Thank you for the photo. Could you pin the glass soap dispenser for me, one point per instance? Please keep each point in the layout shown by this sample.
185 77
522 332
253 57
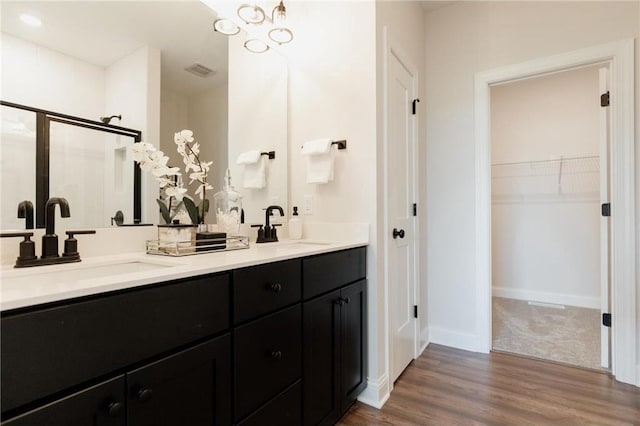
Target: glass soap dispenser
228 203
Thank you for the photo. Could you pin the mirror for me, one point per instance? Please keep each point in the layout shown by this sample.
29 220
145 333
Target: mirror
95 59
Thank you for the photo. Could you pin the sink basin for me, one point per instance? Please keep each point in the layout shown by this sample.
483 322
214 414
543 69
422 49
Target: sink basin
80 271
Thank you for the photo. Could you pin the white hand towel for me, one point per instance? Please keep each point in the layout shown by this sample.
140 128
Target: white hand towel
318 146
255 174
319 160
249 157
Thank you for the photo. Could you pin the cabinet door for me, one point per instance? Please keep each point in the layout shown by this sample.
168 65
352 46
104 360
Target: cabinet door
100 405
353 358
321 343
268 358
192 387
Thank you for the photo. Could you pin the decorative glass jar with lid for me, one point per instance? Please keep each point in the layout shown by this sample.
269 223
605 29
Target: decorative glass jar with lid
228 204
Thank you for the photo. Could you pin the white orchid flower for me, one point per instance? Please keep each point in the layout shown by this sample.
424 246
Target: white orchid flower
139 150
176 192
200 190
199 176
183 136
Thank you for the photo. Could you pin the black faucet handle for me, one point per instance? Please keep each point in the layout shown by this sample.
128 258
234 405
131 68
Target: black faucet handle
25 235
71 233
71 244
27 247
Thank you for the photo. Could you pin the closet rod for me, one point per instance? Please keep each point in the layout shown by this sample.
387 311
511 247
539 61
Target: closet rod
546 161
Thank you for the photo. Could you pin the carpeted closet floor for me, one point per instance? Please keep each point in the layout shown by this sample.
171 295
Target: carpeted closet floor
570 335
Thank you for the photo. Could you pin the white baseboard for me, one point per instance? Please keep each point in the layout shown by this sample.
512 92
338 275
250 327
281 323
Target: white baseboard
376 393
545 297
424 340
455 339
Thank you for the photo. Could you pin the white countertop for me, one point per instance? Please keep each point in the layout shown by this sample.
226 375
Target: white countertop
43 284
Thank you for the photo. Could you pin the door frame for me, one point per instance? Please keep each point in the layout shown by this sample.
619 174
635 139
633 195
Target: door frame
620 57
390 47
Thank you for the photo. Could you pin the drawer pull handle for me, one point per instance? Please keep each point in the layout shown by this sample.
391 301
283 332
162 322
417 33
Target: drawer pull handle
144 394
276 354
275 287
113 408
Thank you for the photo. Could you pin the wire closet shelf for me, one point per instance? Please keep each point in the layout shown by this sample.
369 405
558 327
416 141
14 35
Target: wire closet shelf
565 176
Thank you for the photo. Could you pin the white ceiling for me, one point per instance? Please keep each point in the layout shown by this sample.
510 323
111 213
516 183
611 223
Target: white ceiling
101 32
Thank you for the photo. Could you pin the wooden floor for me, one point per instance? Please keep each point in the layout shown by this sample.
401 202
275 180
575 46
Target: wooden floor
448 386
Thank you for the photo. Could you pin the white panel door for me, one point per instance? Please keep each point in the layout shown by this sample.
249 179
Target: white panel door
400 198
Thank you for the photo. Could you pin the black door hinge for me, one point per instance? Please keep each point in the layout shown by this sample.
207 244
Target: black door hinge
413 106
415 209
606 209
605 99
606 320
415 311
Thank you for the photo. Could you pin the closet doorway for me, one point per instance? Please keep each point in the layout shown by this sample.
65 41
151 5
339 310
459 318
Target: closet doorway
550 242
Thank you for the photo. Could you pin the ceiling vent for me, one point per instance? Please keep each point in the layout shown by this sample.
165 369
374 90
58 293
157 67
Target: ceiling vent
200 70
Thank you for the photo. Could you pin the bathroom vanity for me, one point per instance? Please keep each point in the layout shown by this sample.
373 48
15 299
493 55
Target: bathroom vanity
276 337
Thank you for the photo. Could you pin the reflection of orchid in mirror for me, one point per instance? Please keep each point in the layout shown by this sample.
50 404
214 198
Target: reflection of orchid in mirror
190 152
154 161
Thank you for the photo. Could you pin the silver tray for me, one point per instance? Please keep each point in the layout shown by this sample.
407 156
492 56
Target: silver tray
203 246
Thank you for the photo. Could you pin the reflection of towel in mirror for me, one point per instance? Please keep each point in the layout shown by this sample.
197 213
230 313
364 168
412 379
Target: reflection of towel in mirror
254 169
319 160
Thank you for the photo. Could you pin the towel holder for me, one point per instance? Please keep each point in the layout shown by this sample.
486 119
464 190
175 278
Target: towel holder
271 154
341 144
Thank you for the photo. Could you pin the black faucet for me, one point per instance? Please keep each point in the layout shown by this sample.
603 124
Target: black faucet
25 211
268 234
50 239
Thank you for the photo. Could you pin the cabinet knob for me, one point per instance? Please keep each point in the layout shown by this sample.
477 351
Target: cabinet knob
347 300
276 354
339 301
144 394
275 287
113 408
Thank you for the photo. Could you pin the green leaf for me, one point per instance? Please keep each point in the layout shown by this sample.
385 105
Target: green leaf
164 211
191 209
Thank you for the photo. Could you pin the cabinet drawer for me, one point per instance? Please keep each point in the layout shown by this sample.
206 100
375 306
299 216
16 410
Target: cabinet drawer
262 289
283 410
267 358
52 349
327 272
192 387
102 404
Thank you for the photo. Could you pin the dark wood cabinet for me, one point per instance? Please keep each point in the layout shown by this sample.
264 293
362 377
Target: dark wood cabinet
279 344
353 344
334 363
334 335
99 405
192 387
268 358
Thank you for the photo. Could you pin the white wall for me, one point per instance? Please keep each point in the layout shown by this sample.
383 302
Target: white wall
546 237
132 88
208 118
462 39
35 76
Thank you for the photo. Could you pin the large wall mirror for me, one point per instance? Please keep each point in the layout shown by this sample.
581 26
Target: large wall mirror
162 67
